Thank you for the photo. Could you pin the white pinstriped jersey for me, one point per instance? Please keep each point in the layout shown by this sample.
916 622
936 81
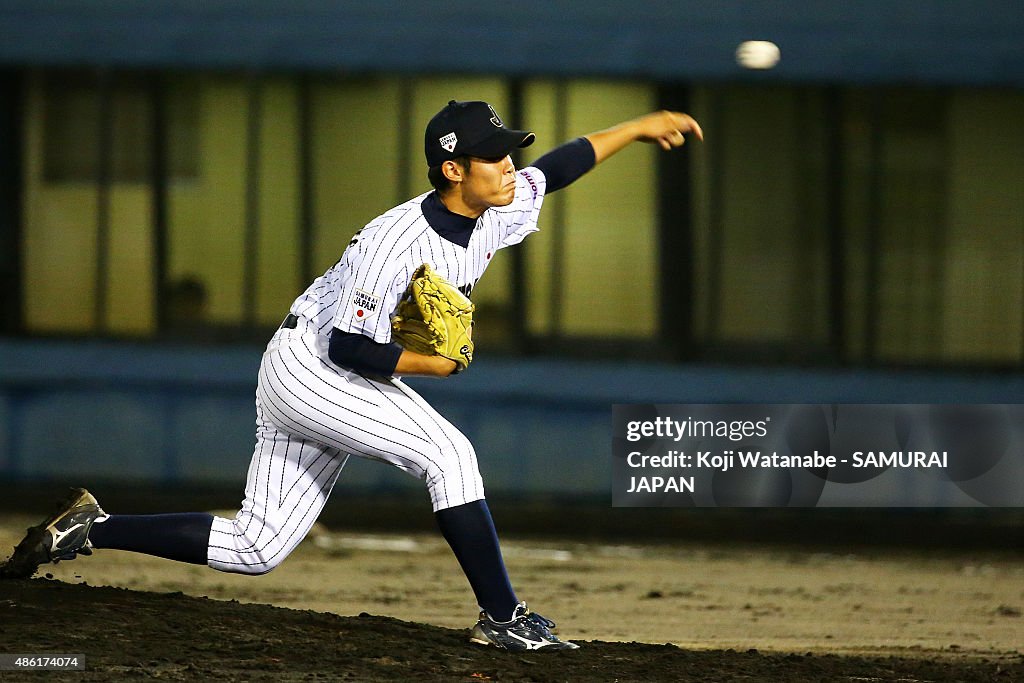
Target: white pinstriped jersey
311 414
361 291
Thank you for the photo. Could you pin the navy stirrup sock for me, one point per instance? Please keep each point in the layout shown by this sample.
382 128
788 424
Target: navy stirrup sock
180 536
470 532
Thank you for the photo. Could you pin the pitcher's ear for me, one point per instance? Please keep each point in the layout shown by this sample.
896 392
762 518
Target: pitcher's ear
453 171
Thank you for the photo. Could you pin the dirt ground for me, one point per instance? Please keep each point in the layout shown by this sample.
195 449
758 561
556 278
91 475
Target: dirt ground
654 612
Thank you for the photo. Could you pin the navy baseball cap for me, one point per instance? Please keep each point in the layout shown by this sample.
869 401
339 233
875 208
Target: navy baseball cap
470 129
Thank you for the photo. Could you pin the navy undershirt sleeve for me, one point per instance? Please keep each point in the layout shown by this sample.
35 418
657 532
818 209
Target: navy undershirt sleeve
362 354
565 163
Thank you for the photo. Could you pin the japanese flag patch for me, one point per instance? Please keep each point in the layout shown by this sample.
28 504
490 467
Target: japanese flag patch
364 304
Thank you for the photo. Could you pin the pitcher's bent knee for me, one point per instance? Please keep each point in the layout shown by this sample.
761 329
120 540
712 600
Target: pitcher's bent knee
453 477
245 546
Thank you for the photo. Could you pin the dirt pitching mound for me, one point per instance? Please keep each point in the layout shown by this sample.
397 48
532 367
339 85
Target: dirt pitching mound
130 634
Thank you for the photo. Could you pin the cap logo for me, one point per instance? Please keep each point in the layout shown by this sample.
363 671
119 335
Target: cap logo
448 142
496 120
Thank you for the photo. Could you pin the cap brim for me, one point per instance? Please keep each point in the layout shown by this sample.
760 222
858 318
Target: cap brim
501 143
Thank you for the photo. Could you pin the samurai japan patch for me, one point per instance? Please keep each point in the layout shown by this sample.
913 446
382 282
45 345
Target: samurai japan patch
448 142
364 304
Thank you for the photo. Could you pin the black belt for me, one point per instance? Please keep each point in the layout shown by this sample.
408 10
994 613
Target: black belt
290 322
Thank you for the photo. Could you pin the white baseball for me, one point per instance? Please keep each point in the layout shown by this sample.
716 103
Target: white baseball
757 54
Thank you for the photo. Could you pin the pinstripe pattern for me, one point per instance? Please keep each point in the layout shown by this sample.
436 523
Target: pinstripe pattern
312 415
383 255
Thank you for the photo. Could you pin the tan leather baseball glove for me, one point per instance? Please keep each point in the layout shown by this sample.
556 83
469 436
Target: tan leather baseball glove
435 318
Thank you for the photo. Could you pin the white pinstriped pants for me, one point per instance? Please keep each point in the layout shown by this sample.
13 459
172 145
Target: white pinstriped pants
310 416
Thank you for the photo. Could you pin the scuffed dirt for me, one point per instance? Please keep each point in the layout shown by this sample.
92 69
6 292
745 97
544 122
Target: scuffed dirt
127 634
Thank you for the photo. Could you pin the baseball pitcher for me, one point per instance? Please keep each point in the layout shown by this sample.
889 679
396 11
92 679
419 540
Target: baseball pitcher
396 303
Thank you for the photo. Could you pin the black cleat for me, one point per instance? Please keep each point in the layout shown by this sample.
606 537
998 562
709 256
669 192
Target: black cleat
62 536
525 631
543 622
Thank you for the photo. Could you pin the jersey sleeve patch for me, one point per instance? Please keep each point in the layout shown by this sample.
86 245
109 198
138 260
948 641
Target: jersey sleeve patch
531 182
364 304
520 219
